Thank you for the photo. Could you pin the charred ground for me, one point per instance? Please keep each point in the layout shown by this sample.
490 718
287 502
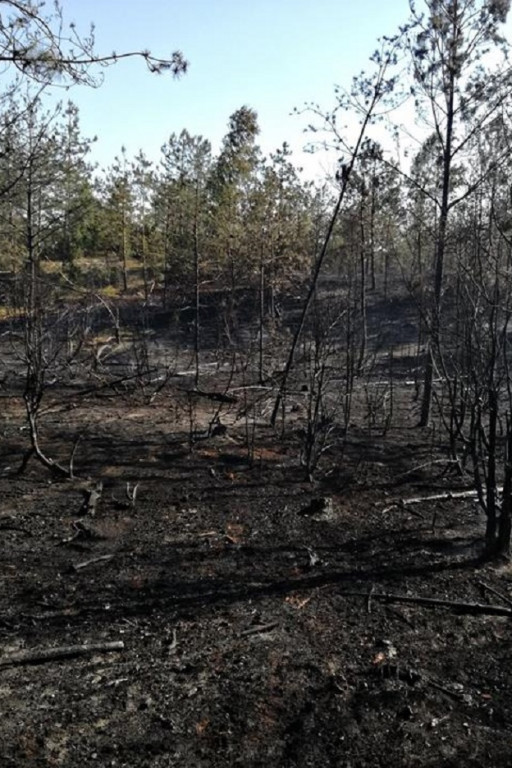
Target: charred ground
251 604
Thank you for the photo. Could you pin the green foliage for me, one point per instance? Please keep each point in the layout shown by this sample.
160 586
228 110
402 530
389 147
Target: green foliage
47 194
181 205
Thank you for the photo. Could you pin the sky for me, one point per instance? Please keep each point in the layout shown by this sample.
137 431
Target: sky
271 55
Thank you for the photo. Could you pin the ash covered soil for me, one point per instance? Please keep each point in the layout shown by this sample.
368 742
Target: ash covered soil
245 604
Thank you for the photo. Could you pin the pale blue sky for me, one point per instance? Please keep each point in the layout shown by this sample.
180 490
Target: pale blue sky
272 55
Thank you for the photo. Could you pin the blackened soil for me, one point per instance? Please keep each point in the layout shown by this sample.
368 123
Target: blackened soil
247 602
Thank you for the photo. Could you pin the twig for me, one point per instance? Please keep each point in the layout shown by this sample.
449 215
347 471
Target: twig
72 457
39 655
401 505
495 592
422 466
174 645
434 521
439 687
7 526
81 531
260 628
92 561
131 492
369 599
413 676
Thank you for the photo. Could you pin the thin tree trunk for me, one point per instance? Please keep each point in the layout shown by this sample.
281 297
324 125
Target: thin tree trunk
362 288
321 258
124 254
373 282
490 475
378 91
434 341
502 543
262 319
197 292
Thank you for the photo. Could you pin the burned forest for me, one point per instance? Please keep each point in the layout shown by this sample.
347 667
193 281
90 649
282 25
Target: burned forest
255 429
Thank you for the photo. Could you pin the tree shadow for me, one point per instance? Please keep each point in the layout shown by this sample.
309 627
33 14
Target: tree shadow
178 597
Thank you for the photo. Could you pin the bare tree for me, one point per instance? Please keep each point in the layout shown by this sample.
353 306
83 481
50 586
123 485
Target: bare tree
367 93
457 98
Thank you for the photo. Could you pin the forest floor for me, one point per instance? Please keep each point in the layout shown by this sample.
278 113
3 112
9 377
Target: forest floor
237 615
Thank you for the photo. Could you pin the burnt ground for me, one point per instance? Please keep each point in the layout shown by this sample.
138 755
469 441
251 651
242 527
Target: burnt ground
248 601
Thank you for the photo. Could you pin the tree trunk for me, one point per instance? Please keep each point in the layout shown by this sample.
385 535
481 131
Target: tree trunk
197 292
502 546
435 327
262 319
362 289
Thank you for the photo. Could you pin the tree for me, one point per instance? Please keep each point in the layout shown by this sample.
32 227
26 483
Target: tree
277 229
36 217
448 46
475 401
233 178
183 214
72 190
41 49
143 182
368 91
118 200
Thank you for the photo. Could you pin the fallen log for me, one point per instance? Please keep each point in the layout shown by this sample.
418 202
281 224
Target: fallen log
446 496
40 655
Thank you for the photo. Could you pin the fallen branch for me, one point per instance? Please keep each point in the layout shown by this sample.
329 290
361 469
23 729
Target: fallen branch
259 629
413 676
11 526
431 602
111 384
39 655
400 504
82 531
452 694
436 497
369 599
174 645
422 466
494 592
92 561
